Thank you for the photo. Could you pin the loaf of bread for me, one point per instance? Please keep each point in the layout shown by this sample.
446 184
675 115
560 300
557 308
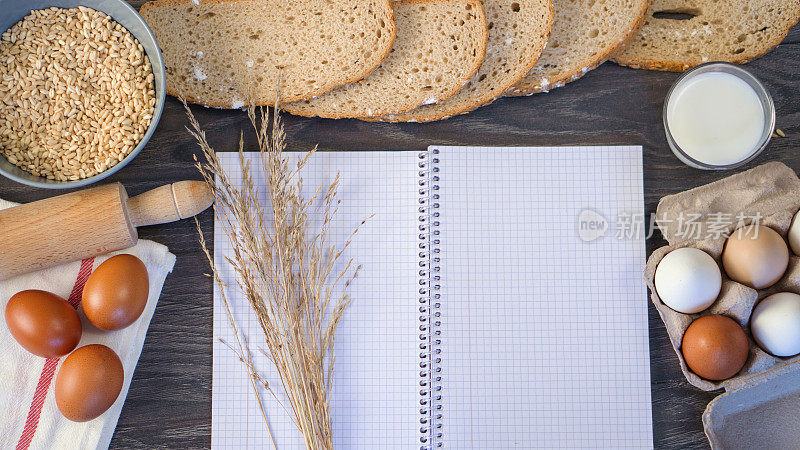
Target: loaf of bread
680 34
518 31
584 36
439 46
231 53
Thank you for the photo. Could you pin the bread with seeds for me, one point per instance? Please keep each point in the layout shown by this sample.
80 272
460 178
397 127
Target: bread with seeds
439 46
518 31
680 34
585 33
229 53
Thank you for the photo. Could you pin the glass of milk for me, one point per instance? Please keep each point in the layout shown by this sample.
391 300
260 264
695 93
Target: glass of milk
718 116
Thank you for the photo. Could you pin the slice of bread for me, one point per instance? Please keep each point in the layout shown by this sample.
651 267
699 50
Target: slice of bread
680 34
584 36
518 30
229 53
439 46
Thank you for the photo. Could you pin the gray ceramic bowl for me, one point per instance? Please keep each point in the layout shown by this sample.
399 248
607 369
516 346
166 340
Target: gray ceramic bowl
125 15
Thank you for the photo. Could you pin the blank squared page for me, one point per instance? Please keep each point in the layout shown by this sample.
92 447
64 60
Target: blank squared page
544 334
375 399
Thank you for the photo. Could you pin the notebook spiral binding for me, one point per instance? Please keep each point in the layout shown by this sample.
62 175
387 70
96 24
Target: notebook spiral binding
429 303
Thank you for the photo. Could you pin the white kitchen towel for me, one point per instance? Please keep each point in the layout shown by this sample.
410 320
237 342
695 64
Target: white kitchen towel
30 417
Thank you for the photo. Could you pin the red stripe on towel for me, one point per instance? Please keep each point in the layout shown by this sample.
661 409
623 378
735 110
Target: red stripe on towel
50 365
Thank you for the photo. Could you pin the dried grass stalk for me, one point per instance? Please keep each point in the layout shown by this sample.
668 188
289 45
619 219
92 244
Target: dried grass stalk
285 269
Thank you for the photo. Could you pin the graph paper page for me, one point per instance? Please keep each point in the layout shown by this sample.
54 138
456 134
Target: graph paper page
376 396
544 335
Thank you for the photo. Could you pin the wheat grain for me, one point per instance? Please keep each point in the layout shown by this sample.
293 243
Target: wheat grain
76 88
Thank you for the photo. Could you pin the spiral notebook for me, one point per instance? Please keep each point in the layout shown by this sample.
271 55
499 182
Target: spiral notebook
500 305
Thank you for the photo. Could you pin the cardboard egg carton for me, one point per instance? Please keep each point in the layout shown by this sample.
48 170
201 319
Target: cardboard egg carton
770 195
703 218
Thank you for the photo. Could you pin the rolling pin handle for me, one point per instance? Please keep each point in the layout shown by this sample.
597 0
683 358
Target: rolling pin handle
170 203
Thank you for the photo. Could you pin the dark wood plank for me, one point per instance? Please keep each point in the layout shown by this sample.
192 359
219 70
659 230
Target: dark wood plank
169 404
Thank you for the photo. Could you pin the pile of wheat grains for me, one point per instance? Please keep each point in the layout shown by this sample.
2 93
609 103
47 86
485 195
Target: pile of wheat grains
77 93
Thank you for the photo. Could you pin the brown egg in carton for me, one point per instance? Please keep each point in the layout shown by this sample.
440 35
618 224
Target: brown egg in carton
768 194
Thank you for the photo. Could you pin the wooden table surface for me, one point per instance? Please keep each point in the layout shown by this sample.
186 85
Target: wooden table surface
169 403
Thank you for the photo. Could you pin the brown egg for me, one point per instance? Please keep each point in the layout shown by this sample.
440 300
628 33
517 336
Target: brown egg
715 347
43 323
756 256
88 382
116 293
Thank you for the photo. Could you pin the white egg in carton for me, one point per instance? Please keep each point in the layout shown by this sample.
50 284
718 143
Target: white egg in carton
760 406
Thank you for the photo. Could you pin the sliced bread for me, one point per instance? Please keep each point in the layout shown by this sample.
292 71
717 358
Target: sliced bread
228 53
518 30
584 36
439 46
680 34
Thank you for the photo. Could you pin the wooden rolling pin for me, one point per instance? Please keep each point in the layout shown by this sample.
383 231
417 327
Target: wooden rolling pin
89 223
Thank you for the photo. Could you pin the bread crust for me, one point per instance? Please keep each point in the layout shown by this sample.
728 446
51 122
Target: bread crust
520 90
677 65
667 66
471 71
431 115
314 93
